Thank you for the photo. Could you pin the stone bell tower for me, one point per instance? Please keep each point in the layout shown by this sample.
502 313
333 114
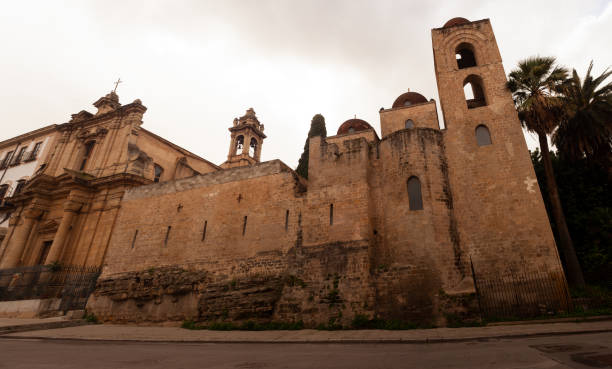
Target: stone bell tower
246 139
498 206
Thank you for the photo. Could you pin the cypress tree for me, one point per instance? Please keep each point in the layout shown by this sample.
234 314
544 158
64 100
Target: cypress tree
317 128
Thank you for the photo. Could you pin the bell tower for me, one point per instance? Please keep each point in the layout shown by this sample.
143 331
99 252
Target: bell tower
246 140
499 210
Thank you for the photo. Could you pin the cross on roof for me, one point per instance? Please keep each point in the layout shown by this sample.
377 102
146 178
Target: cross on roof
117 84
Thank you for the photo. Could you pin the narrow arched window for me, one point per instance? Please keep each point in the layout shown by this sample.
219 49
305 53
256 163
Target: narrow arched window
86 154
409 124
474 92
19 187
239 144
158 170
414 194
3 190
464 53
483 136
252 147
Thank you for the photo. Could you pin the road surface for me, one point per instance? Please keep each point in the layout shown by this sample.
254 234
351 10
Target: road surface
571 351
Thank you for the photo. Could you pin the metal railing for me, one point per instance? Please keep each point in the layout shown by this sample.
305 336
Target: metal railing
522 294
72 284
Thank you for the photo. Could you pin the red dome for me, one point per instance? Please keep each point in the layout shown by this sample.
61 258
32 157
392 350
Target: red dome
455 22
409 98
355 124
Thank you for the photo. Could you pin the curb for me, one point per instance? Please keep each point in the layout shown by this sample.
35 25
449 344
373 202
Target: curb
41 326
329 341
599 318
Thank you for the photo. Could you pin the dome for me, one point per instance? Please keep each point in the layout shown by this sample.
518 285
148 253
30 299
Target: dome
455 22
353 125
409 98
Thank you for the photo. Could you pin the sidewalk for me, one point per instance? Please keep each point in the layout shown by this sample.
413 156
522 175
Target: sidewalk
10 325
107 332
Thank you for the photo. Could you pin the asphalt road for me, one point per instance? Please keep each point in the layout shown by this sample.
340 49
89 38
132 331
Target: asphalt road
572 351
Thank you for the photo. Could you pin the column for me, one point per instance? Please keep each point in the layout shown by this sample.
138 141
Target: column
17 242
70 210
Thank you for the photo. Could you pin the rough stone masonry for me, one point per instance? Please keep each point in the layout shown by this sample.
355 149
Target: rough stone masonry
383 227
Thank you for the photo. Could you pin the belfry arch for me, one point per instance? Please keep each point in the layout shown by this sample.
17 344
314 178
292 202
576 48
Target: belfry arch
246 140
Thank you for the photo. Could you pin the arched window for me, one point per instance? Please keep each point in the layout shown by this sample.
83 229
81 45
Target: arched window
158 170
252 147
474 93
87 153
19 187
3 190
409 124
483 136
464 53
351 130
239 145
414 194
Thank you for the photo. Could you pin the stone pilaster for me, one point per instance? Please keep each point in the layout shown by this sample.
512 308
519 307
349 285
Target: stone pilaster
16 244
71 207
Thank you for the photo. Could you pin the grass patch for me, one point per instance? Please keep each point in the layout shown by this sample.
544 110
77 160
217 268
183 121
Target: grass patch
91 318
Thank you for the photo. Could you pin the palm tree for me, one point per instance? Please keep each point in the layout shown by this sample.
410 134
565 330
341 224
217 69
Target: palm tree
535 87
586 130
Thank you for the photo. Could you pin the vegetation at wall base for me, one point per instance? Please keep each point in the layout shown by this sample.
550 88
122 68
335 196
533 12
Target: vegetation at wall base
91 318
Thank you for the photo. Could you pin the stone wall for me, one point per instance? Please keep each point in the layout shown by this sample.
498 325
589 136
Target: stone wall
500 214
260 243
423 115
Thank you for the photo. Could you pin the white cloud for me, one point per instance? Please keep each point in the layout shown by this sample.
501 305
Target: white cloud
198 64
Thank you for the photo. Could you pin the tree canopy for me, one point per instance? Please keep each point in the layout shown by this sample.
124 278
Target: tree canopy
317 128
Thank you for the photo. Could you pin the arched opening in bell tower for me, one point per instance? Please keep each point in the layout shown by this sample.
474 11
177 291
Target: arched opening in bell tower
474 93
239 145
253 147
464 53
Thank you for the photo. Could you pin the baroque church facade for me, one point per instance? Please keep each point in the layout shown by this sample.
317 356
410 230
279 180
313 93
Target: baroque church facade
391 227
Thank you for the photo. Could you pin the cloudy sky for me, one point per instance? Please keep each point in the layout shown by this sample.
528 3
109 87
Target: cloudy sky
198 64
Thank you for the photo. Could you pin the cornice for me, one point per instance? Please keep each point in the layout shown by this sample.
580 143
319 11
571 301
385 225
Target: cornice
135 107
29 135
245 126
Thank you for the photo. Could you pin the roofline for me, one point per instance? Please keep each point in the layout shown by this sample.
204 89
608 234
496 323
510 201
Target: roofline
463 24
27 135
356 132
174 146
407 107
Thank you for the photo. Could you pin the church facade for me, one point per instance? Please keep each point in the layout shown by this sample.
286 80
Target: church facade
390 227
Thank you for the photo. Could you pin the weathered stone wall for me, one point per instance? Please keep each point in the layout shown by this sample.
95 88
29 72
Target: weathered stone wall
500 215
259 243
418 252
423 115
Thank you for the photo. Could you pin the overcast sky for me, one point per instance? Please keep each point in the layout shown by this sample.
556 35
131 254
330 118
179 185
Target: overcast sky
198 64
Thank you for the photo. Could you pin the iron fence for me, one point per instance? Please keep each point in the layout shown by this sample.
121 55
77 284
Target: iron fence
524 294
72 284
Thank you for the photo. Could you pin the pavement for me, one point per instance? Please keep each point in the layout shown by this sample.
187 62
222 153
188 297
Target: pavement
584 351
12 325
109 332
